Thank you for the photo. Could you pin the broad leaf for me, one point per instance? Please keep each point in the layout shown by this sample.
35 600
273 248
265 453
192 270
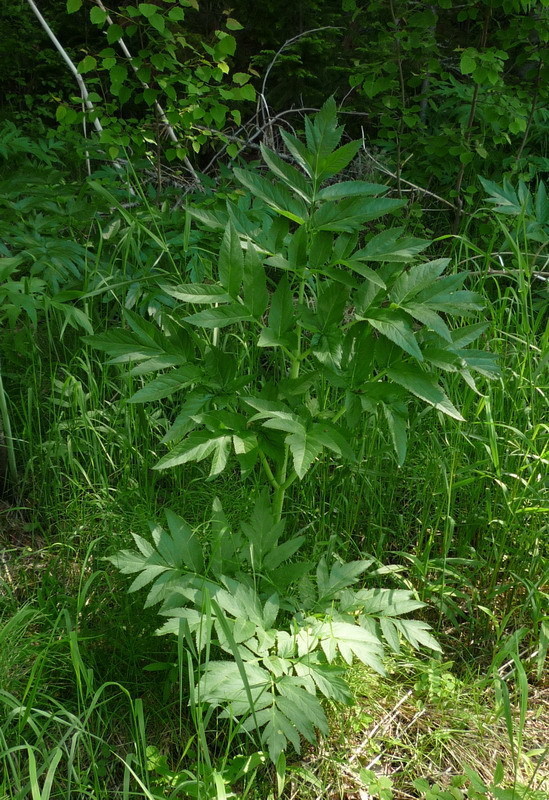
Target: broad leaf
351 214
220 317
166 385
305 447
395 326
196 447
198 293
389 246
423 386
290 175
416 279
275 195
337 191
231 262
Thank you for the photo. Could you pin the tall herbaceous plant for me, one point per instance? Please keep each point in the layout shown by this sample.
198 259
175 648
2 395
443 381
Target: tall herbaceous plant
309 327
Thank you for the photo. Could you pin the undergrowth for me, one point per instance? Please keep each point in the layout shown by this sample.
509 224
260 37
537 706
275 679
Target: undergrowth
92 703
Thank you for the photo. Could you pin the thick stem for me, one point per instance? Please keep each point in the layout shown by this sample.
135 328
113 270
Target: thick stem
280 495
268 472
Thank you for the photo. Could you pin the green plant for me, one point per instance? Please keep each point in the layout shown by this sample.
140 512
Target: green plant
285 632
176 83
302 344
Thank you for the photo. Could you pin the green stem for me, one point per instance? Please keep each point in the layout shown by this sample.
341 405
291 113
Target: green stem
6 427
268 471
280 494
282 480
296 355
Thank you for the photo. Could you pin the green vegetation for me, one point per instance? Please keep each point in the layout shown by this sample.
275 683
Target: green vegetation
289 371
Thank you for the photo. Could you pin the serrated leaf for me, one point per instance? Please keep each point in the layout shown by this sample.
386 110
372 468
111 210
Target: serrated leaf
328 679
302 156
255 291
305 448
331 438
166 385
351 213
290 175
281 313
429 318
231 261
336 162
395 326
322 132
302 708
390 634
220 455
195 403
424 387
198 293
391 247
123 346
196 447
337 191
220 317
398 423
276 196
351 641
278 731
417 633
461 337
366 272
416 279
339 577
